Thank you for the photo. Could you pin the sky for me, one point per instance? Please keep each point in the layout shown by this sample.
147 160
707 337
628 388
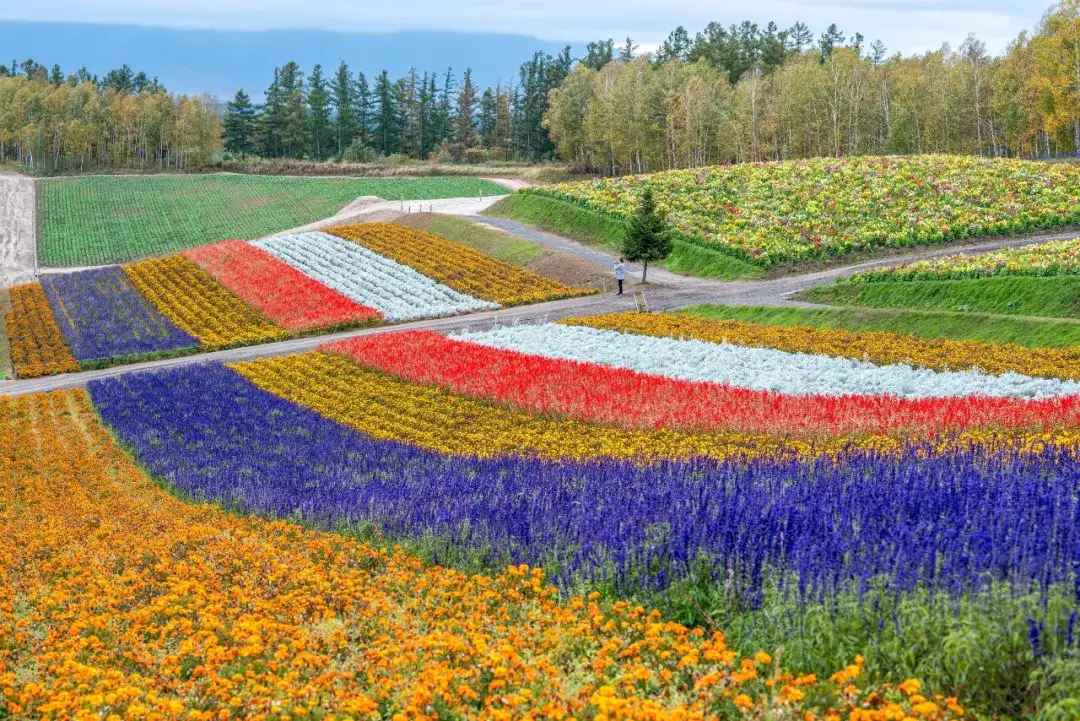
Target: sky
906 26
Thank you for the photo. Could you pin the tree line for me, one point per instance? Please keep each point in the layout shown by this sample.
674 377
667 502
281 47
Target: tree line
743 94
52 121
346 115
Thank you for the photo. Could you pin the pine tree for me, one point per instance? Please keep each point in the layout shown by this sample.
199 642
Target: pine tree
599 53
628 51
465 118
294 129
363 105
272 119
386 140
489 110
676 47
801 37
240 125
343 97
319 109
648 238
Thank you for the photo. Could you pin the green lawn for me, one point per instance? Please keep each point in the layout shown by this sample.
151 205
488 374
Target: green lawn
490 242
1057 297
595 228
108 219
1029 332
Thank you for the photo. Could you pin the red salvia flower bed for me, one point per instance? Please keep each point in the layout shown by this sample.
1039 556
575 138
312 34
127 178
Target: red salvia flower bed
596 393
282 293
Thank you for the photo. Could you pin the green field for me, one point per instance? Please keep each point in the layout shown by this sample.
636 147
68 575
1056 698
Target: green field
605 231
929 324
105 219
1056 297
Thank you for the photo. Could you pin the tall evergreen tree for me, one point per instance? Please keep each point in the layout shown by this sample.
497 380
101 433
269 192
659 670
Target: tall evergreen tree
628 51
318 101
830 40
598 54
676 47
385 121
444 111
488 117
465 117
294 130
801 37
240 125
342 95
363 107
648 238
272 120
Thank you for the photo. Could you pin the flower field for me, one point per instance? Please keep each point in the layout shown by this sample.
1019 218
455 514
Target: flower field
792 501
1058 257
458 266
771 213
102 314
120 601
240 293
277 290
397 291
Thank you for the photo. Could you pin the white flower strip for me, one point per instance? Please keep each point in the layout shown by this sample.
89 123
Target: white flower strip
395 290
759 368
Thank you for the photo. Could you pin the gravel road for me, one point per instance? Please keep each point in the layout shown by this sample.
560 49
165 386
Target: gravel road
18 251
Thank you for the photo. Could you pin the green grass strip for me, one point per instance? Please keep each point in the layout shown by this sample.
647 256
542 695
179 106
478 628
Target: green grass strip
604 231
1028 332
96 220
1057 297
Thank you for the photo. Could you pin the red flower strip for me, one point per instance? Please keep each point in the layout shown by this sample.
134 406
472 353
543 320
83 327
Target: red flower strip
282 293
626 398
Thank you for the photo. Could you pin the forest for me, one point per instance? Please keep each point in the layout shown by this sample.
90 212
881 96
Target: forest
740 93
53 122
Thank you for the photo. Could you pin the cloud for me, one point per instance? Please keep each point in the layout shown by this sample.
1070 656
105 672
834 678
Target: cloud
904 25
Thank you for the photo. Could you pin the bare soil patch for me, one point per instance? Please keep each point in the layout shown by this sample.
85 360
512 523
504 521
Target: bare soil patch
18 230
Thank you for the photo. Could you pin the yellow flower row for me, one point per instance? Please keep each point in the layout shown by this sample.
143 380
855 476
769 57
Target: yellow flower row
880 347
198 304
464 269
1057 257
428 417
118 601
37 344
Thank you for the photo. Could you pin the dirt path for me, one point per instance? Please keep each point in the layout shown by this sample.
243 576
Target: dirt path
371 209
18 230
775 291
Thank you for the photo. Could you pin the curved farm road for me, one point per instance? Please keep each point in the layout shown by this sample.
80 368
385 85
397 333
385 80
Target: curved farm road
665 290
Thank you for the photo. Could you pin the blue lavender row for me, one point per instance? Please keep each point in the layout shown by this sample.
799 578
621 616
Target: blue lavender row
102 315
952 521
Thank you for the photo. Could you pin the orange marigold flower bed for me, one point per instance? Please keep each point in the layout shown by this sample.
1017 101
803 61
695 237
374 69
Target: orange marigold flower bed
120 601
38 347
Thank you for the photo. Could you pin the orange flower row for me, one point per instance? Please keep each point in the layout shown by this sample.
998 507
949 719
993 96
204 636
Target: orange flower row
38 347
464 269
199 305
118 601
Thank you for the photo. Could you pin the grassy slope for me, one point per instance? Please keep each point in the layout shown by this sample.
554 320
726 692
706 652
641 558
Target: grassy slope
1032 333
490 242
594 228
1040 297
102 219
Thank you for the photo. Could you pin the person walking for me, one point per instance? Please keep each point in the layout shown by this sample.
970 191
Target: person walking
620 273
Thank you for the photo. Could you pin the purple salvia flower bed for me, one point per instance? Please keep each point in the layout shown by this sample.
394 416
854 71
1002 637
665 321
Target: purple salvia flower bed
950 521
102 315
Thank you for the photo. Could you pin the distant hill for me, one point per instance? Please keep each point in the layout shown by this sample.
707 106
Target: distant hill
221 61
